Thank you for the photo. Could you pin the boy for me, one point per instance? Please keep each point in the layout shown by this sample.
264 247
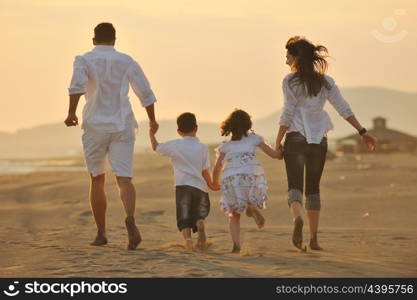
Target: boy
191 164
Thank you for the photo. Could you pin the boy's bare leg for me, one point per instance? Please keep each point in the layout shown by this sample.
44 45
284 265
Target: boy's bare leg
98 206
201 242
234 226
252 211
186 233
128 197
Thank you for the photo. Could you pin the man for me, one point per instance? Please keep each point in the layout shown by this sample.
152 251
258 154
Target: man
109 124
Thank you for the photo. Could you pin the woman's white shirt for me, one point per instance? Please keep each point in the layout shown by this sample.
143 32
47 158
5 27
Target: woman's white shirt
306 114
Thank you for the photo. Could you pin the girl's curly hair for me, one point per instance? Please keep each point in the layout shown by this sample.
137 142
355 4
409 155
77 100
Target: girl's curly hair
238 123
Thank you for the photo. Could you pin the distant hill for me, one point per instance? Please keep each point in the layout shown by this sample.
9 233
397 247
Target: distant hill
48 140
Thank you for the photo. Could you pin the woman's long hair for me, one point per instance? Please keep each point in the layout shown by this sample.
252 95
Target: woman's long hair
310 64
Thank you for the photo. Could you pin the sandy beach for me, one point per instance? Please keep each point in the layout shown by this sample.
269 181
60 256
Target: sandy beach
368 226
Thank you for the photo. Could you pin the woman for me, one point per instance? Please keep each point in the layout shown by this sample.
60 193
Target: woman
305 125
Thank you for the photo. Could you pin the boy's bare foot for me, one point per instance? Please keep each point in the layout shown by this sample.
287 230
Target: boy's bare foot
189 244
314 244
297 235
201 242
236 248
100 240
259 219
133 233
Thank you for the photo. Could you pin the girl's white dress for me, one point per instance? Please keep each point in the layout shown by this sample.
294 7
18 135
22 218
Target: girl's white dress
243 180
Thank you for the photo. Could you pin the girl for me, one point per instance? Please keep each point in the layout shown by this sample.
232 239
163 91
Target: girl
243 184
305 124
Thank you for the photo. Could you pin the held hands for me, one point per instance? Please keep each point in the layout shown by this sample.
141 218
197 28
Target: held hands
214 187
71 120
280 151
369 141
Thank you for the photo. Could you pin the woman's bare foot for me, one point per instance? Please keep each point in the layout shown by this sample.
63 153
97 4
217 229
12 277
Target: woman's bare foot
297 235
134 237
100 240
201 242
259 219
236 248
314 244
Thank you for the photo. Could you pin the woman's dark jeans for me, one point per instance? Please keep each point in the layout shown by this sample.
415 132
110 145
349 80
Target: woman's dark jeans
297 155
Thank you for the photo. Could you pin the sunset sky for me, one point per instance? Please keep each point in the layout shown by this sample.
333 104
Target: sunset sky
201 56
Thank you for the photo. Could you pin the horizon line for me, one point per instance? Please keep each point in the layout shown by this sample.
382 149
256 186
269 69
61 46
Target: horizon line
211 122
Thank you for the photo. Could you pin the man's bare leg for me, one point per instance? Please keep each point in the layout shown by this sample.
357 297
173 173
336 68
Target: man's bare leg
99 205
128 197
186 233
201 242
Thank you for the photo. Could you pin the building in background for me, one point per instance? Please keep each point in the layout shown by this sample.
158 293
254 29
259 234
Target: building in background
389 140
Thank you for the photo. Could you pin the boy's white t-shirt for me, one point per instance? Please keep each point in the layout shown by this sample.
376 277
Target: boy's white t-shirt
189 158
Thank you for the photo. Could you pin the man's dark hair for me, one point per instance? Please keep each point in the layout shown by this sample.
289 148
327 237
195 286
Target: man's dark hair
104 33
186 122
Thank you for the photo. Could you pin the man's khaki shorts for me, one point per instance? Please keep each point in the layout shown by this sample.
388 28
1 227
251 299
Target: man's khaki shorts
117 146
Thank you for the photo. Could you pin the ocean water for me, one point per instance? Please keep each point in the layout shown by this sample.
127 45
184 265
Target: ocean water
21 166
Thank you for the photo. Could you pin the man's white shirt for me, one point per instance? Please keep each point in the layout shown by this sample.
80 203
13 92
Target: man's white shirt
104 75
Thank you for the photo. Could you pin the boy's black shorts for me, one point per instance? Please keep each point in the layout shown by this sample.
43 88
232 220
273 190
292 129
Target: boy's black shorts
192 205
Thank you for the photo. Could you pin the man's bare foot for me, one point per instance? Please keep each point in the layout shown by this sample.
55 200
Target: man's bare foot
100 240
189 244
314 244
236 248
259 219
134 237
297 235
201 242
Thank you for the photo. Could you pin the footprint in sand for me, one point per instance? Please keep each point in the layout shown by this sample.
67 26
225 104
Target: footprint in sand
153 213
192 274
149 216
86 213
117 271
282 234
400 238
52 268
71 201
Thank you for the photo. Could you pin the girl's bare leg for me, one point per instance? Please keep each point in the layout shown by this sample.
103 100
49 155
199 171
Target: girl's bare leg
234 226
252 211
